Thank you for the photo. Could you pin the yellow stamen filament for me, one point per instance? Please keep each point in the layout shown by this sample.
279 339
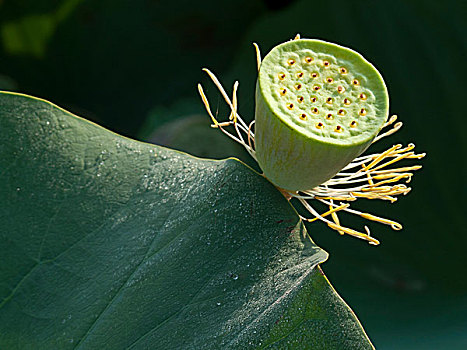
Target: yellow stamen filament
391 120
381 157
354 233
336 221
370 180
233 113
206 104
258 55
395 128
331 211
395 225
250 137
343 198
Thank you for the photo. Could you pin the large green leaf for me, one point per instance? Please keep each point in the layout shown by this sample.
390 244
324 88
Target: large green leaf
109 243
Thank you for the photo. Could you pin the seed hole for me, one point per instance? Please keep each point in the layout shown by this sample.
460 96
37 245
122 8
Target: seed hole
329 116
326 63
353 124
329 100
303 116
346 101
298 86
362 96
300 75
340 89
338 128
314 75
313 99
343 70
290 106
300 99
291 62
308 59
341 112
355 82
283 92
316 87
315 110
281 76
329 80
319 125
362 111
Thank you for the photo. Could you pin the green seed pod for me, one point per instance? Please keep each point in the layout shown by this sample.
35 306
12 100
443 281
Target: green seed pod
318 106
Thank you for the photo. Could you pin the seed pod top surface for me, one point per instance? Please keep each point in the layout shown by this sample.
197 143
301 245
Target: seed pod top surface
324 91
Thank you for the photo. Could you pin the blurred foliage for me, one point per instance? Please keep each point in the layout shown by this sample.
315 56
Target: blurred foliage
113 60
120 62
29 35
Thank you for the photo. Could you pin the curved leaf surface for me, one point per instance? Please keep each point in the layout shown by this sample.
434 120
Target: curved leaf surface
109 243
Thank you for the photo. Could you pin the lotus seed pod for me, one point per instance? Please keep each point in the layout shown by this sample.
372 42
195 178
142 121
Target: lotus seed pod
318 106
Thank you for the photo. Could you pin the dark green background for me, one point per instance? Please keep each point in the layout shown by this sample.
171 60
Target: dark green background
133 66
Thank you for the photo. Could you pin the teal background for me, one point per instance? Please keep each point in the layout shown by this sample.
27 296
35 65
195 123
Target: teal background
133 66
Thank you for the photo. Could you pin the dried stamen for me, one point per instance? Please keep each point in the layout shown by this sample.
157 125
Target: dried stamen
368 176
